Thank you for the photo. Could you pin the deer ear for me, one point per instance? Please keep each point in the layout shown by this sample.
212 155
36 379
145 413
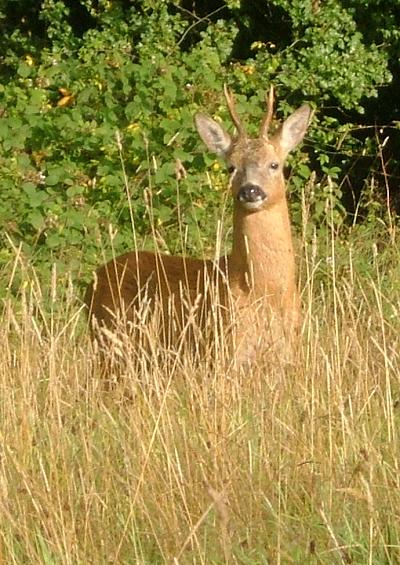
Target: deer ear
214 136
293 129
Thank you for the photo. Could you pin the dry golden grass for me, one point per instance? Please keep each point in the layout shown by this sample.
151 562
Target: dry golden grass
199 464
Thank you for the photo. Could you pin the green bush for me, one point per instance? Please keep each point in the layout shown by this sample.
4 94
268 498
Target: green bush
97 102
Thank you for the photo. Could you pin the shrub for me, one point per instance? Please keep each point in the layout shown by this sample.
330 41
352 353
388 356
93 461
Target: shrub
97 102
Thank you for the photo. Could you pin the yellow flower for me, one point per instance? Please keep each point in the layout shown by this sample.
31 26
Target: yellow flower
67 98
257 45
248 69
134 127
29 60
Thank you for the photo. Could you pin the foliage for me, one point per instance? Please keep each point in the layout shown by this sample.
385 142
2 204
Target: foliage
97 100
196 463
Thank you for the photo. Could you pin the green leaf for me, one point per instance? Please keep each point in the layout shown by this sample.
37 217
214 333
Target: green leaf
35 219
24 70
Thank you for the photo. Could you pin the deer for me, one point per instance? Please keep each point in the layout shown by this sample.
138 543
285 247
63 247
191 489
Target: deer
256 284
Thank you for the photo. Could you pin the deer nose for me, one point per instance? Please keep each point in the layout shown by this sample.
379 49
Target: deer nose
251 193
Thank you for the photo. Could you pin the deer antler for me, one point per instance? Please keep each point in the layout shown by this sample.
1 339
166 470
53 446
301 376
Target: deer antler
268 116
230 102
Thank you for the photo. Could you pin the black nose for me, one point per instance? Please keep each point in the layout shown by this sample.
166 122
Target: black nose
251 193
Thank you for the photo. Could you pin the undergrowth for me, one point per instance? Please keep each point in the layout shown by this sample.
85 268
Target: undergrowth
199 463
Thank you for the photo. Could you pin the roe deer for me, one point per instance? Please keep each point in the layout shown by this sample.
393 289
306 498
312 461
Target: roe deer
256 283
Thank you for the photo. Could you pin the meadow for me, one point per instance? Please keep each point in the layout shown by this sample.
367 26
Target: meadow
199 463
179 461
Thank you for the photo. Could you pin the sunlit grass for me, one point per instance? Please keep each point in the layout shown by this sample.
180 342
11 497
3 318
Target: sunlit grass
199 463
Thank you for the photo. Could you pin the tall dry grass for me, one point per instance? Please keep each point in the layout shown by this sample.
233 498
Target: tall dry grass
200 464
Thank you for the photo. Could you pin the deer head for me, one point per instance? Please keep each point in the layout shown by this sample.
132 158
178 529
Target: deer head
255 164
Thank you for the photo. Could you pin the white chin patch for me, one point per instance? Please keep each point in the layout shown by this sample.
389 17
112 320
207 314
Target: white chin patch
252 205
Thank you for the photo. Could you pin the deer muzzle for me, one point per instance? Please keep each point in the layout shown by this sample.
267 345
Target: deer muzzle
251 196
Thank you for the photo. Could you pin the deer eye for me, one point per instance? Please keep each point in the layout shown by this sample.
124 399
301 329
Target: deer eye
274 165
231 169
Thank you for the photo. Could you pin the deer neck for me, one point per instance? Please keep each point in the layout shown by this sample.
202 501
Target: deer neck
262 257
